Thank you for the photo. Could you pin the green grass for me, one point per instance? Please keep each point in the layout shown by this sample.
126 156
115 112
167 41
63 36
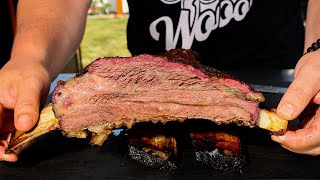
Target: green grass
104 37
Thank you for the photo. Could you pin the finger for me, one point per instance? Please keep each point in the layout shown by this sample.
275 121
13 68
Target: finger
300 92
18 150
314 151
10 157
300 140
27 106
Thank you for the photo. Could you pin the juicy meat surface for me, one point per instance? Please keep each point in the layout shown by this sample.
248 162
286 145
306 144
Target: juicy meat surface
117 91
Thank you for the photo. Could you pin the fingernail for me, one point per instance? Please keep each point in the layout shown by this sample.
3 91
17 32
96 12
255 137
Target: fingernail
286 110
25 120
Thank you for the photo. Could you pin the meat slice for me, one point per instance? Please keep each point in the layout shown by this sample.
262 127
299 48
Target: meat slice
121 91
155 145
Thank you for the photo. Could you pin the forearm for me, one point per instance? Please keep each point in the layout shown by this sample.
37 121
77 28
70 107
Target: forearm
312 23
49 32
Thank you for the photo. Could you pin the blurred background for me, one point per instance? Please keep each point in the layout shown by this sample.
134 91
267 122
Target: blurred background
105 33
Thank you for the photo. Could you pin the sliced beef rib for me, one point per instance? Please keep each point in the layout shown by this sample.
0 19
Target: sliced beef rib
120 91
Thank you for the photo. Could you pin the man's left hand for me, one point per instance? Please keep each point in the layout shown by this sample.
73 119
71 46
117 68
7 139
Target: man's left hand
303 91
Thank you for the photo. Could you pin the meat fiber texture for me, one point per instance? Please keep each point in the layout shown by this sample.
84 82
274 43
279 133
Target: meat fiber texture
121 91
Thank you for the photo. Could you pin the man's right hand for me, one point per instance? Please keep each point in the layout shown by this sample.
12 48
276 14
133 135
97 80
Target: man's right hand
45 39
23 86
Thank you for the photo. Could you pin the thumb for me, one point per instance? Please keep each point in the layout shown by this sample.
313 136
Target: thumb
300 92
26 110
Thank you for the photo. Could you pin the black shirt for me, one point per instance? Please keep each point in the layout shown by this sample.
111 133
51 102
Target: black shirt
228 34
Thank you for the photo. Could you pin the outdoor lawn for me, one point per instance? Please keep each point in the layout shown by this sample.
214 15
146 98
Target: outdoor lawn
104 36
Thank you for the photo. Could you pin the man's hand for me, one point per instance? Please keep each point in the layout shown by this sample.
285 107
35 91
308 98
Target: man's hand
304 90
23 86
46 38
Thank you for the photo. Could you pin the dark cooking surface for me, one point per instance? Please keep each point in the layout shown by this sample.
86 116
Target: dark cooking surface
56 157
